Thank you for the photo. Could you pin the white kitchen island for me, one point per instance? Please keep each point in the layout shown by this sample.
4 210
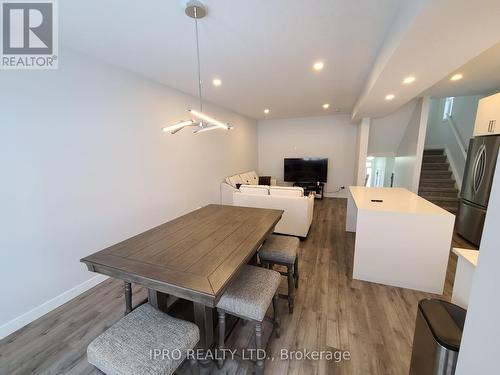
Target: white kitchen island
403 241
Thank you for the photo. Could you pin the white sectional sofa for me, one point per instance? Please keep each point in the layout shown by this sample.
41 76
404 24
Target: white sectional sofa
298 209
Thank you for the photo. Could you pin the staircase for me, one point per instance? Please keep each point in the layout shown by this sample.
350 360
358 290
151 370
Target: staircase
436 182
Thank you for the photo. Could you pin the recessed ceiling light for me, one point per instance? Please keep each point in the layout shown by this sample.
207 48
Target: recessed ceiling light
456 77
409 80
326 106
318 65
216 82
390 97
266 111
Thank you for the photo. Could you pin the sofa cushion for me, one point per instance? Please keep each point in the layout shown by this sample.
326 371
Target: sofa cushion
286 191
246 179
255 189
254 177
265 180
250 178
233 180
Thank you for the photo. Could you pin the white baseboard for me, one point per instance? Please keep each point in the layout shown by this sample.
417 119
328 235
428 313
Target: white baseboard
336 195
28 317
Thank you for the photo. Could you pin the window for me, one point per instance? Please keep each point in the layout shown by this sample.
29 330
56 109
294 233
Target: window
448 107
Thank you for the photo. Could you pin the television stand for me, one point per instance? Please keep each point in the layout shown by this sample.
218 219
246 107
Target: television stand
312 187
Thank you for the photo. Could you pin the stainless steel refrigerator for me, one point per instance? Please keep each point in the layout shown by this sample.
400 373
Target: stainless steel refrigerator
476 186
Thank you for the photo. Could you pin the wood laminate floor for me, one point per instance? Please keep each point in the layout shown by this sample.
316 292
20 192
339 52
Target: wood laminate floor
373 323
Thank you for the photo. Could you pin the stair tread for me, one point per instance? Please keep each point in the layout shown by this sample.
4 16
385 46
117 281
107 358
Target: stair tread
434 164
435 151
436 177
435 171
433 198
434 158
435 189
437 180
437 194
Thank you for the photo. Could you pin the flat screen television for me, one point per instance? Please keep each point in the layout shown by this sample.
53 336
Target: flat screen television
306 169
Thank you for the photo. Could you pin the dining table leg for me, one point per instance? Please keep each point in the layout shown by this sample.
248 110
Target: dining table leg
158 300
127 288
203 317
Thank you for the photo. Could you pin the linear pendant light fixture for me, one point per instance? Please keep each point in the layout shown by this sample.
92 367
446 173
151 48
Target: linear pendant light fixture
197 10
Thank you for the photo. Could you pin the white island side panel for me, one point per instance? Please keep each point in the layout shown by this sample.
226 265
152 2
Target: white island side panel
403 249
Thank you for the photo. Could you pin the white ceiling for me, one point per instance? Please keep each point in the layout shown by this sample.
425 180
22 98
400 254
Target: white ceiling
262 50
430 40
481 76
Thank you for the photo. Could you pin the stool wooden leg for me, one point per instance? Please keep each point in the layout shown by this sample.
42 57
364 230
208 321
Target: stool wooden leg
276 315
259 365
296 271
222 333
127 288
291 287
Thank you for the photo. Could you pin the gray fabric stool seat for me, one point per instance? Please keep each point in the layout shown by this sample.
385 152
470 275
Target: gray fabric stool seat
282 250
126 347
249 297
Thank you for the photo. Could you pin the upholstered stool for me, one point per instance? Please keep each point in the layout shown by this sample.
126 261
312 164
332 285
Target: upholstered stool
128 346
248 297
282 250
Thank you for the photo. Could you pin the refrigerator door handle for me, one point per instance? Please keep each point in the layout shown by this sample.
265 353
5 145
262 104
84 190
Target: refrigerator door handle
474 171
479 166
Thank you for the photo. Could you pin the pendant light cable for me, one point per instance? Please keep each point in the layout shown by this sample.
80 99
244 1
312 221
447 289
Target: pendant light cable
198 56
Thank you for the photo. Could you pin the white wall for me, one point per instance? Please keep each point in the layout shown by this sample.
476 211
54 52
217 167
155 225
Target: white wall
440 134
403 171
408 162
479 347
333 137
387 132
85 165
402 134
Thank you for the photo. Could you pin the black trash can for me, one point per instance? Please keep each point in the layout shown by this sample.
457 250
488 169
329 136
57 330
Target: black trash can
436 342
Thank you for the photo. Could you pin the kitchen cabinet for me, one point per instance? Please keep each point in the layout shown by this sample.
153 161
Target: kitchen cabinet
488 116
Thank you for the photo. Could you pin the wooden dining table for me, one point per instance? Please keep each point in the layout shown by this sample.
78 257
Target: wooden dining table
193 257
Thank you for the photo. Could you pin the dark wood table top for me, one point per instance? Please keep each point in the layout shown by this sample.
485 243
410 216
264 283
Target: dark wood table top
192 257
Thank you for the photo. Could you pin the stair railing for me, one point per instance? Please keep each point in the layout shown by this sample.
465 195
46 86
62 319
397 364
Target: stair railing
459 140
